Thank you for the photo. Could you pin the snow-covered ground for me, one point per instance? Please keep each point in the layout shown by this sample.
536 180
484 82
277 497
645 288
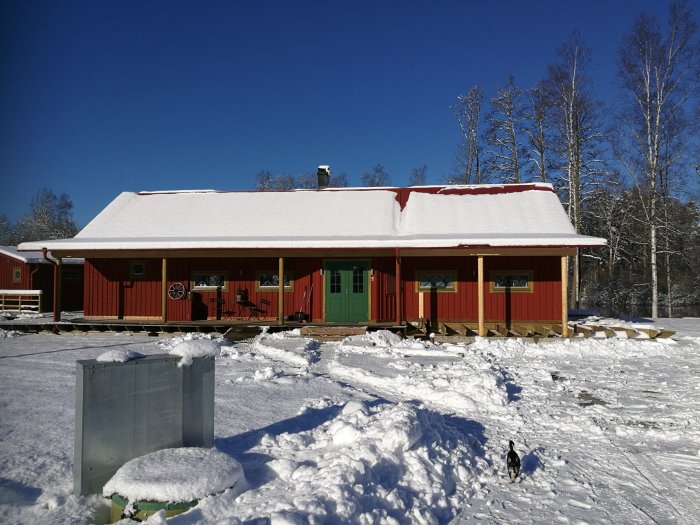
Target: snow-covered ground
380 430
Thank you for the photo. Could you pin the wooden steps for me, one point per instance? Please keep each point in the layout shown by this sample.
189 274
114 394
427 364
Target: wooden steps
332 333
464 332
594 330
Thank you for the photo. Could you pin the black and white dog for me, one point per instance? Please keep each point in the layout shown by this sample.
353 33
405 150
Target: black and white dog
513 463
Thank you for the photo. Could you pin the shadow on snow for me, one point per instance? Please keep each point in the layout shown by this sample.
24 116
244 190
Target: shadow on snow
454 429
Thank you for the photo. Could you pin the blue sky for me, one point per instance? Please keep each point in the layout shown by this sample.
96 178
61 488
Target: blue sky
100 97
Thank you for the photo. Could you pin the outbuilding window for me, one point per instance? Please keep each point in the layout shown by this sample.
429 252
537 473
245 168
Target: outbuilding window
209 281
518 281
436 280
16 274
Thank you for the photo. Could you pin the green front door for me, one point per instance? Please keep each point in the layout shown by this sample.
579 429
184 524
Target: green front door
347 294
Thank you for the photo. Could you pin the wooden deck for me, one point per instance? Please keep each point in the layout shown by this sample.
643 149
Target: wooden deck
232 329
240 330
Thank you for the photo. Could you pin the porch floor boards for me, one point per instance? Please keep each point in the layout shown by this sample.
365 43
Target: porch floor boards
239 329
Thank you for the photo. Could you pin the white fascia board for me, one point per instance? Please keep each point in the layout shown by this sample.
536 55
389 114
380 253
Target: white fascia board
320 242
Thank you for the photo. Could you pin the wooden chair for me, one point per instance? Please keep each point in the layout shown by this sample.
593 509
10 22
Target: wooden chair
227 312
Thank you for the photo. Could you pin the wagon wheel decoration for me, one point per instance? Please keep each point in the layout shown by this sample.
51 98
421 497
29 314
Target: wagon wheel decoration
176 291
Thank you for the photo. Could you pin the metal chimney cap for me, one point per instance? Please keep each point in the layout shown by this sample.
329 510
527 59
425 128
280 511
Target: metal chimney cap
324 175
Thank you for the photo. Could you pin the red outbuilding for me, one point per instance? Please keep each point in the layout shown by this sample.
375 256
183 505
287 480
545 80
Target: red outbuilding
27 281
477 257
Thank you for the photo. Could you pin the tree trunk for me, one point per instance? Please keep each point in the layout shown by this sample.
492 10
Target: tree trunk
654 273
667 245
669 296
574 282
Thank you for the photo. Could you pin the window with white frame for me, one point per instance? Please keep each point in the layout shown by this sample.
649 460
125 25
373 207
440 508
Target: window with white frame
511 280
436 280
209 281
270 281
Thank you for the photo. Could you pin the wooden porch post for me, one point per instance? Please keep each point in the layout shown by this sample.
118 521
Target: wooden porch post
164 292
480 288
398 289
564 293
57 278
280 293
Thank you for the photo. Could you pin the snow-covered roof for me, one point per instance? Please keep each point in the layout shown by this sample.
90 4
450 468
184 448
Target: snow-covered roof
34 257
422 217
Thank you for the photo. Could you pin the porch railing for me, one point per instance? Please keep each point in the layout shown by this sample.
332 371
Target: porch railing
20 300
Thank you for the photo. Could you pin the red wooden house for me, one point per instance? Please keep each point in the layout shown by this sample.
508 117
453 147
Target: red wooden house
478 255
27 279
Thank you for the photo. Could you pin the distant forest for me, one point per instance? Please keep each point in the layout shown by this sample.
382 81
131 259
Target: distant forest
628 171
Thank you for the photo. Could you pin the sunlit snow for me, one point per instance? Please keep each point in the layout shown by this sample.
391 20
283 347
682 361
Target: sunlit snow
376 429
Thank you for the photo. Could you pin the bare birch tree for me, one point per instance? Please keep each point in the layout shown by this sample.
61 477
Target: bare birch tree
377 177
658 71
538 132
266 181
467 113
503 136
610 215
575 114
50 217
338 181
307 181
418 176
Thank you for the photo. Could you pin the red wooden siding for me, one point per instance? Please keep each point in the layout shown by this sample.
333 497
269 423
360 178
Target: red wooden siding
384 289
6 266
544 304
443 306
99 293
109 291
242 273
42 279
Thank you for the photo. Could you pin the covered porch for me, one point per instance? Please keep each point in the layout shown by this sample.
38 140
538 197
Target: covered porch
465 291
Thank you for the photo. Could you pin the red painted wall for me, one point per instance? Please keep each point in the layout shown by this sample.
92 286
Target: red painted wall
544 304
443 306
41 280
109 291
242 273
6 265
384 289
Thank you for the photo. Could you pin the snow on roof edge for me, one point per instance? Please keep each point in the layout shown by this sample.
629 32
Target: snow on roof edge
11 251
35 255
543 185
405 242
